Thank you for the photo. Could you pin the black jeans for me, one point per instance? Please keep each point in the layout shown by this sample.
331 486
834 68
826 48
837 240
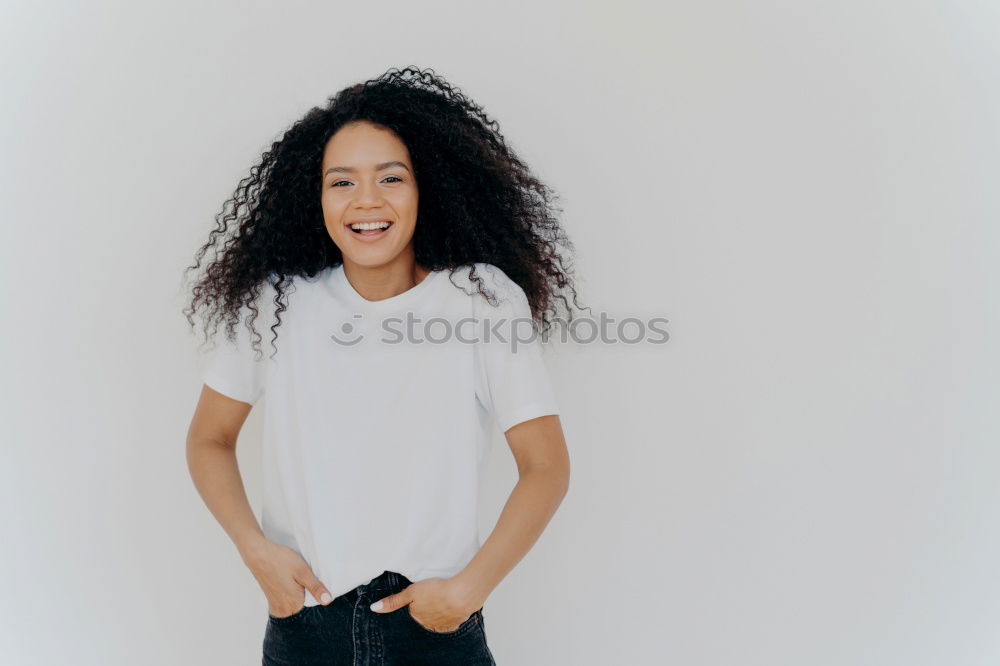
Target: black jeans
348 632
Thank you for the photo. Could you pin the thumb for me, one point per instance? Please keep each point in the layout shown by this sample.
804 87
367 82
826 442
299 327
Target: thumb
315 587
391 602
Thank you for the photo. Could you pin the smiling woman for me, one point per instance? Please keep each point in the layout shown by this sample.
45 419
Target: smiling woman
369 196
362 209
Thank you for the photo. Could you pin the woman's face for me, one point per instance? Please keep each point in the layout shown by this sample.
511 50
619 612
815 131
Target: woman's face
367 176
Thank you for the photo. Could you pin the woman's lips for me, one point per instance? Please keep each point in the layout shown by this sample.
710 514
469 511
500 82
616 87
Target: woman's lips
368 236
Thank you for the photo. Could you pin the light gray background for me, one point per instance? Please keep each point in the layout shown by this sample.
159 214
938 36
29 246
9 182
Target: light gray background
805 474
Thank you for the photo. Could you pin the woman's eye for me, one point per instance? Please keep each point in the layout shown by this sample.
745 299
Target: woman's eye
337 183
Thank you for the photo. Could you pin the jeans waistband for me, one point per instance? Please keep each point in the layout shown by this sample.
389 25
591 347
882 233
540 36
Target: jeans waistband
386 583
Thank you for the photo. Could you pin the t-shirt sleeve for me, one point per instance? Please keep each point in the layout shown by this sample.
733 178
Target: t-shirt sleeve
512 381
236 369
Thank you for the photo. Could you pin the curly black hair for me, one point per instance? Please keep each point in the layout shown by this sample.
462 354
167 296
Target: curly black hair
478 203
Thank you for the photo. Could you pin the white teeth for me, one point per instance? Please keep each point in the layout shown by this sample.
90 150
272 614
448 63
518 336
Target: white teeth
371 225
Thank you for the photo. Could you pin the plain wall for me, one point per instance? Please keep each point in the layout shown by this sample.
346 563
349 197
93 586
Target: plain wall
806 473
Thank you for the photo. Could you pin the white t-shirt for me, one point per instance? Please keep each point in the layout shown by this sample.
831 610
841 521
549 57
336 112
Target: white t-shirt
375 440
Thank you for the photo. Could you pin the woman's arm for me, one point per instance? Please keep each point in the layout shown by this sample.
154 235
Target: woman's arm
539 447
211 458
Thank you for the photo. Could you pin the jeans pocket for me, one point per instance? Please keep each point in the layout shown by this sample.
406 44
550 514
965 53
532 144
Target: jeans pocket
469 624
288 618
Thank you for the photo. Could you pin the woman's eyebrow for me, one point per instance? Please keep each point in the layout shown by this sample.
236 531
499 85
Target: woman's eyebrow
378 167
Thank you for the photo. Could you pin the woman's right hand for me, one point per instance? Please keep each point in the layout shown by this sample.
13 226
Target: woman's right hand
284 576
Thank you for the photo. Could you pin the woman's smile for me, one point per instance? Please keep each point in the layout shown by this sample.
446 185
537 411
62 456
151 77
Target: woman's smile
368 232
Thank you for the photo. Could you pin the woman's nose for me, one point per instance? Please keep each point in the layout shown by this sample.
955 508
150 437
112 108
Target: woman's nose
367 194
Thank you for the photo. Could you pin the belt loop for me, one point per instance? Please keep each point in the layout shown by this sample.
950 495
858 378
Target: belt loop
393 581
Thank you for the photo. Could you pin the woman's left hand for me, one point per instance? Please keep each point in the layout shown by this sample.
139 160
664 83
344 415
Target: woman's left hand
436 603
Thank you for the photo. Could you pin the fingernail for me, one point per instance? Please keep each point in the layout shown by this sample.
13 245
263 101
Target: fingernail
326 598
377 605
